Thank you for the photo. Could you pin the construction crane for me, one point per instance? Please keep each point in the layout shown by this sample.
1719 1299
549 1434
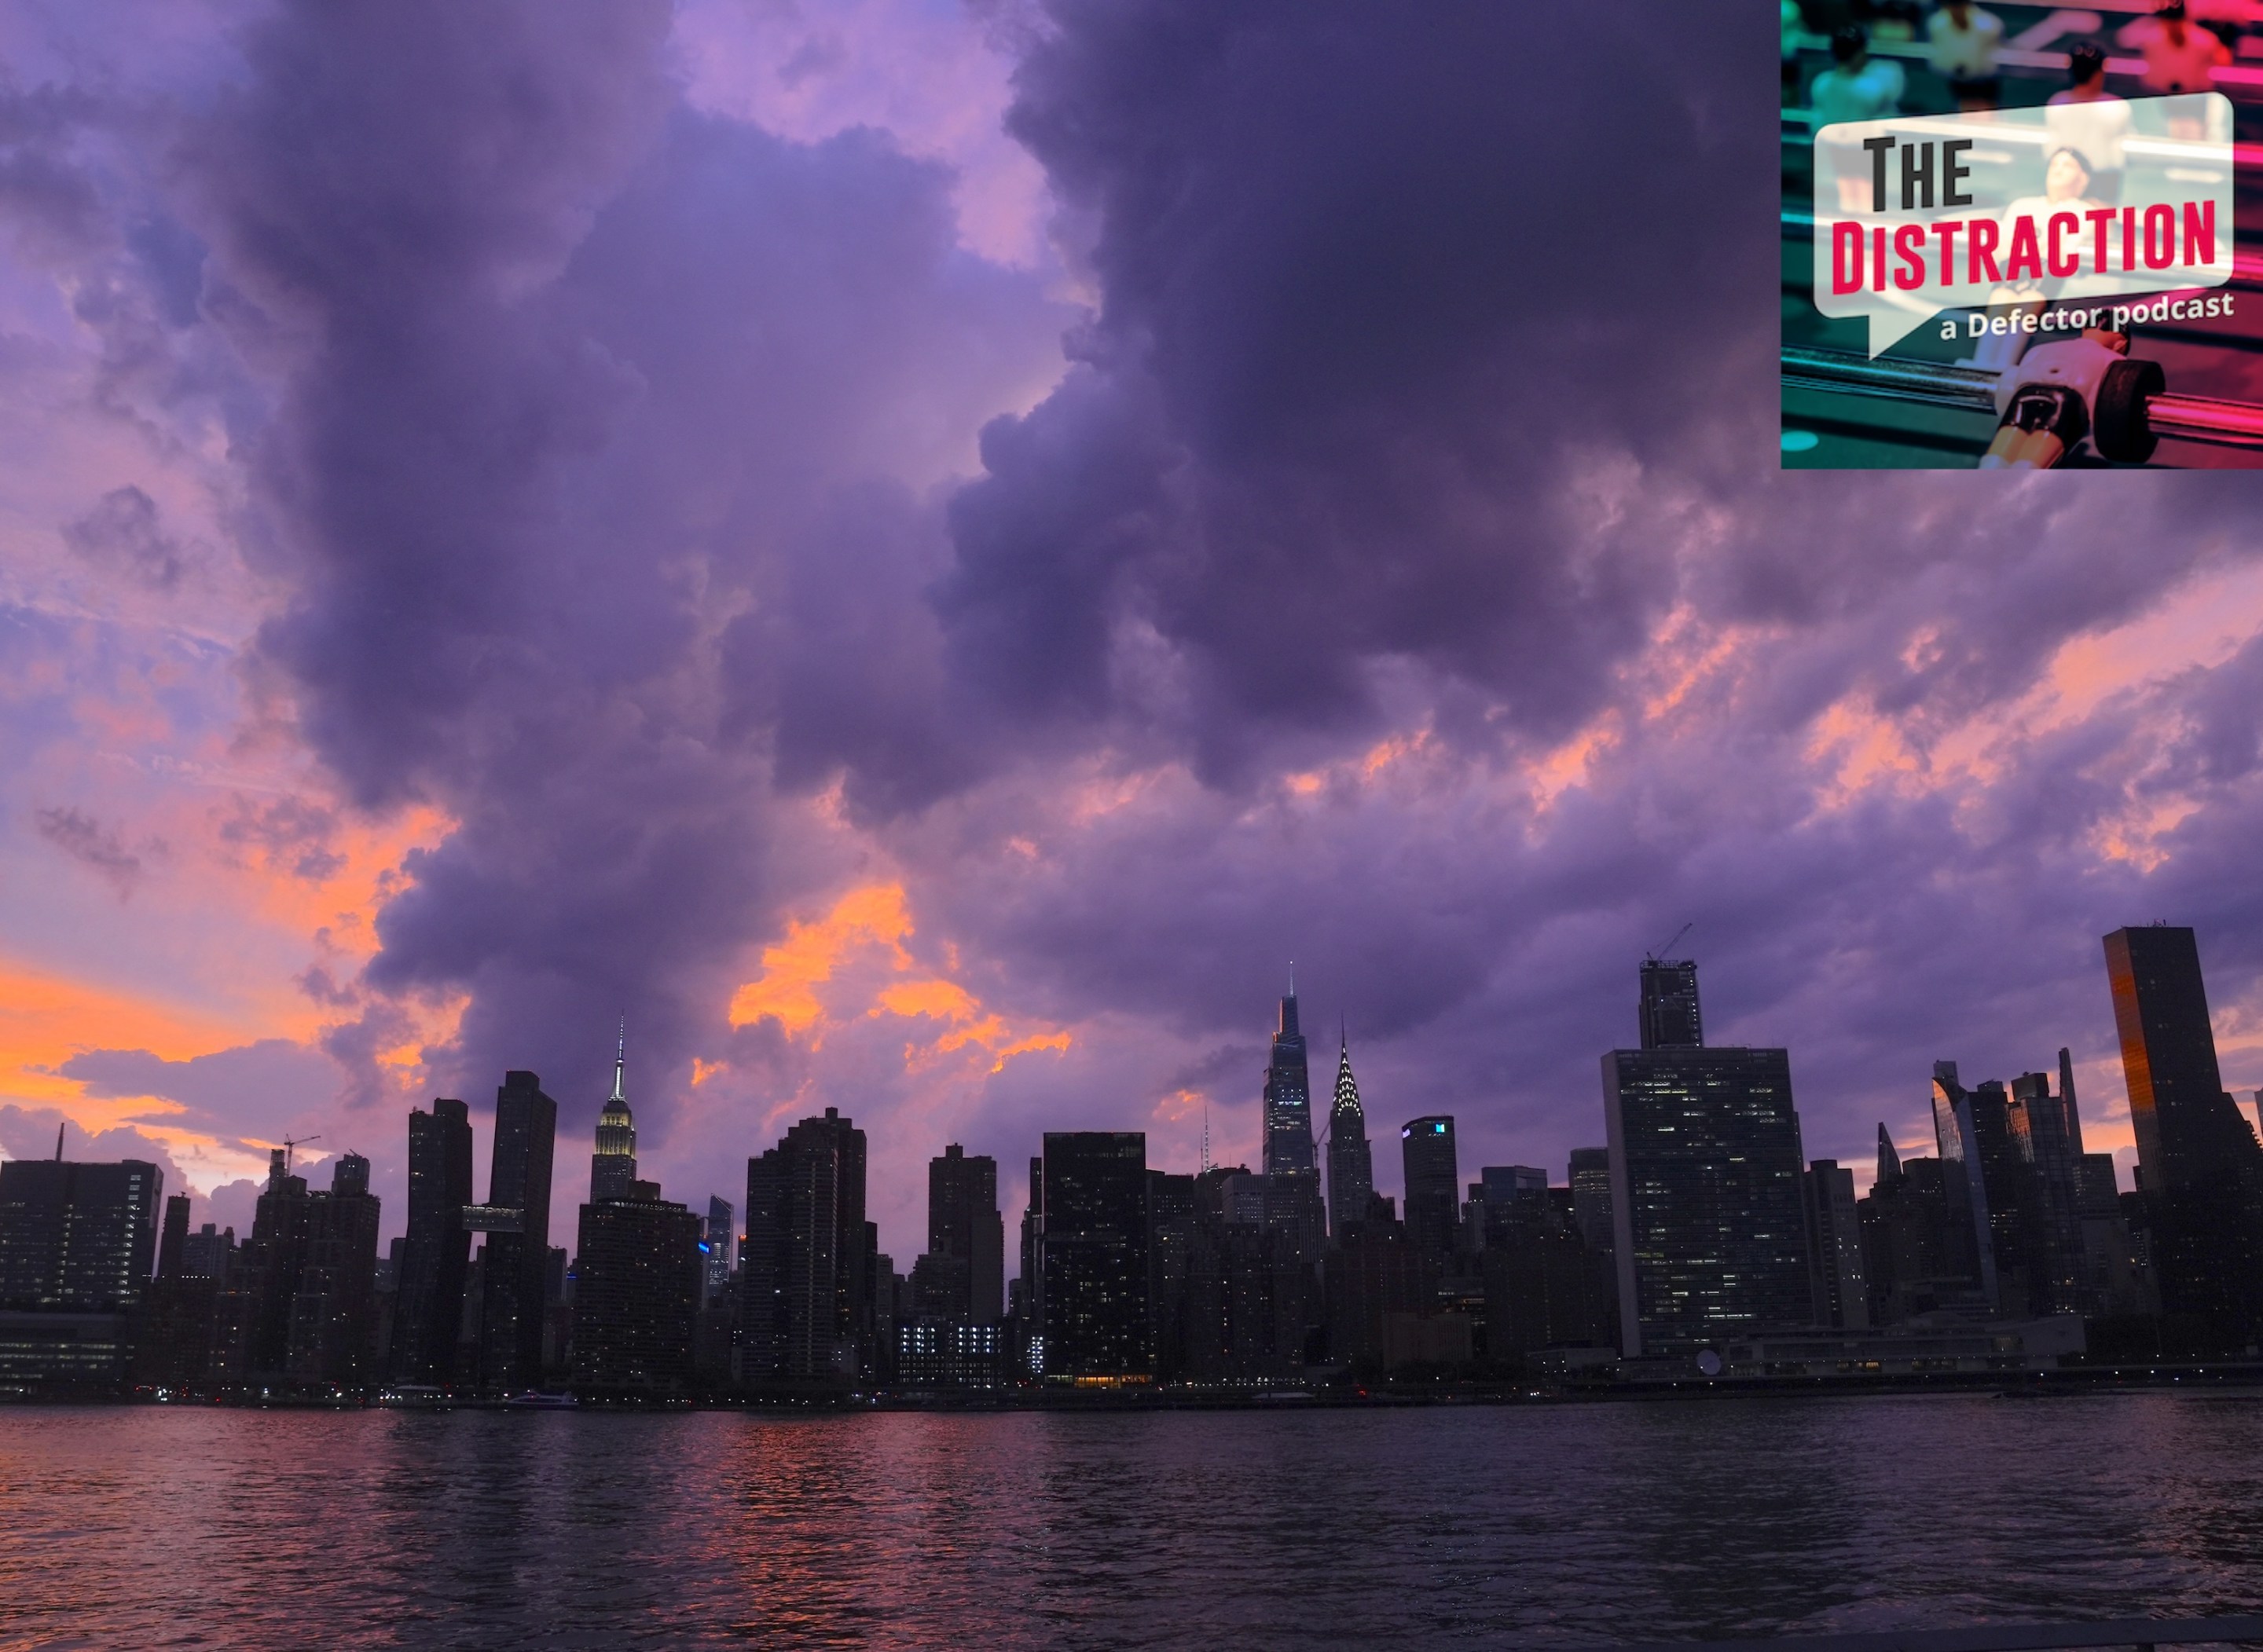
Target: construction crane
1655 956
291 1144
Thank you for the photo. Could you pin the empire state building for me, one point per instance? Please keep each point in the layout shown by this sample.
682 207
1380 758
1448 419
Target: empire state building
612 1168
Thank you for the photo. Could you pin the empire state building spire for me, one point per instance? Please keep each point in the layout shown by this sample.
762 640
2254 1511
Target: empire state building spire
612 1168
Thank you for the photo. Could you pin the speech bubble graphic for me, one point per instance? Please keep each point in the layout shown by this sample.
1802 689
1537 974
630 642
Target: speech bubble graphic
1922 214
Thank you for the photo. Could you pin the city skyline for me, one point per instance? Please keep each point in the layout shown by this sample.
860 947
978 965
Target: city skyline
1668 988
958 715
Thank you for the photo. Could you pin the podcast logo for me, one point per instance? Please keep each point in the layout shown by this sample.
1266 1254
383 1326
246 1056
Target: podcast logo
1921 215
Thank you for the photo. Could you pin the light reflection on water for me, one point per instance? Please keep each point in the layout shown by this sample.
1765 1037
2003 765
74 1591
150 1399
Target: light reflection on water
166 1526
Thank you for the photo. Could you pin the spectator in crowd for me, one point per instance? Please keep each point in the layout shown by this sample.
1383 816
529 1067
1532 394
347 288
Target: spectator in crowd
1964 40
1856 86
2090 121
2180 56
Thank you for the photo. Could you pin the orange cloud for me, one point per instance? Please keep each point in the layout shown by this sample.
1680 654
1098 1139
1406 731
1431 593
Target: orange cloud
820 977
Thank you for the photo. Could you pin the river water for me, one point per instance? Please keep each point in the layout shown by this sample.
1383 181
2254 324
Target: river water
1463 1527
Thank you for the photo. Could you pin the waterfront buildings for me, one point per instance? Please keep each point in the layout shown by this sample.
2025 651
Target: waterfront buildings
962 1277
333 1315
1840 1287
2199 1169
434 1253
1092 1245
514 1278
636 1296
808 1258
1710 1228
77 1242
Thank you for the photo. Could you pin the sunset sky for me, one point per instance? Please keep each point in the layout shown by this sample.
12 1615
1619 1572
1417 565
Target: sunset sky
924 551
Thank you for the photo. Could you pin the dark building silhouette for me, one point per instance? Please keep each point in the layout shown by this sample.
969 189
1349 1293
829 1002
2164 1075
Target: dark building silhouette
428 1286
1351 1163
1235 1298
2200 1169
173 1346
1545 1287
1093 1256
963 1274
253 1339
1373 1277
1839 1282
77 1242
1433 1182
1668 1009
807 1264
333 1334
612 1168
1920 1252
636 1296
77 1238
517 1219
1710 1229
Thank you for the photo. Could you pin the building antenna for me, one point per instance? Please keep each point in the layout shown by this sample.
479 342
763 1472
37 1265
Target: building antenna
59 1144
1205 1152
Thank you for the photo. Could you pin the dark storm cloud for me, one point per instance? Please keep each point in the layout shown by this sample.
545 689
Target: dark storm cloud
582 393
1370 276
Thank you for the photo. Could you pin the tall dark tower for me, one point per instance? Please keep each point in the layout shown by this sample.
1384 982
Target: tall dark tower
512 1291
612 1168
1670 1019
1434 1205
965 1260
429 1303
1293 1204
2199 1168
1351 1163
2188 1130
1288 1097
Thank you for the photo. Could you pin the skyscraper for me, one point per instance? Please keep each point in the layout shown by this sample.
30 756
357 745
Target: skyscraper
1294 1205
612 1168
75 1242
1834 1247
2189 1129
1093 1247
2199 1168
1709 1232
636 1296
1433 1181
333 1337
1288 1097
806 1266
512 1287
1670 1019
964 1268
1351 1163
428 1295
74 1237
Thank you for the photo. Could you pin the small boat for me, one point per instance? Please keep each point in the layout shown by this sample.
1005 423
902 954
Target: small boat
531 1401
